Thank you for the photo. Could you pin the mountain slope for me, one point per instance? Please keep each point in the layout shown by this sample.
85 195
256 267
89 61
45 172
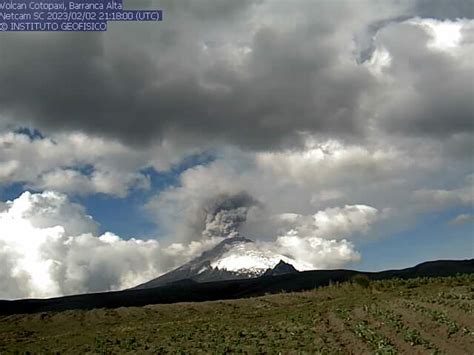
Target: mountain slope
281 268
232 259
191 291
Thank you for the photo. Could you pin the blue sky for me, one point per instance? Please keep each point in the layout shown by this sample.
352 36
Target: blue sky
432 238
127 216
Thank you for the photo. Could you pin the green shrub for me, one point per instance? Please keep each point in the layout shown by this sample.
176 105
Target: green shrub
361 280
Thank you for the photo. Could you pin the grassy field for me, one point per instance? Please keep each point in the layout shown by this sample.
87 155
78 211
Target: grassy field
419 316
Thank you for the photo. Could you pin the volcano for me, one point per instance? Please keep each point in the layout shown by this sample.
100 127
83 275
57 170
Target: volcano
232 259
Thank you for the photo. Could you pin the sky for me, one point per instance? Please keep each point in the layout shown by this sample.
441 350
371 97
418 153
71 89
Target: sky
337 133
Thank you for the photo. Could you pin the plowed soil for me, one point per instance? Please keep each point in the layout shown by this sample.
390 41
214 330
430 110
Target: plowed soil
419 316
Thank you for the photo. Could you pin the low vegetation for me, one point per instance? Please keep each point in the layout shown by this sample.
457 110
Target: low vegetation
361 280
417 316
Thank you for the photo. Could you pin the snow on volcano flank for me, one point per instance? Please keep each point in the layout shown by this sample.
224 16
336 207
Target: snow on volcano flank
247 258
233 258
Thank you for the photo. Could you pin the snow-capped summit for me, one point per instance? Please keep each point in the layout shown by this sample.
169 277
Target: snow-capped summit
246 258
233 258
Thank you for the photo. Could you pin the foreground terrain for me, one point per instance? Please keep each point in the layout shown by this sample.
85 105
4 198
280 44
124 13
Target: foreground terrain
188 290
417 316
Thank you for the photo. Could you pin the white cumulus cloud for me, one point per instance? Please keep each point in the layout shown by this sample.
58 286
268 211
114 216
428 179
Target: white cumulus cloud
49 246
77 163
331 223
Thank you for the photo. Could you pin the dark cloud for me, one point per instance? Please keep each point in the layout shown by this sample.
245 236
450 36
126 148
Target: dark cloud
208 74
445 9
432 90
210 10
180 80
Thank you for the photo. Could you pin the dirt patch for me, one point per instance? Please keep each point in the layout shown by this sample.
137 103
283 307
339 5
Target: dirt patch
433 332
388 331
347 339
465 320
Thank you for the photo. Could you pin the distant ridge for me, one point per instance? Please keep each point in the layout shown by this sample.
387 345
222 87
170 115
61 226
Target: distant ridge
191 291
281 268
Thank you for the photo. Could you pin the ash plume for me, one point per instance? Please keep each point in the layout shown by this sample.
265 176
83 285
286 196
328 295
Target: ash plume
226 213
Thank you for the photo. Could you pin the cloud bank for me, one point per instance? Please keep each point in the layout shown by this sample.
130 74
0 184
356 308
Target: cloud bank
49 246
196 79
